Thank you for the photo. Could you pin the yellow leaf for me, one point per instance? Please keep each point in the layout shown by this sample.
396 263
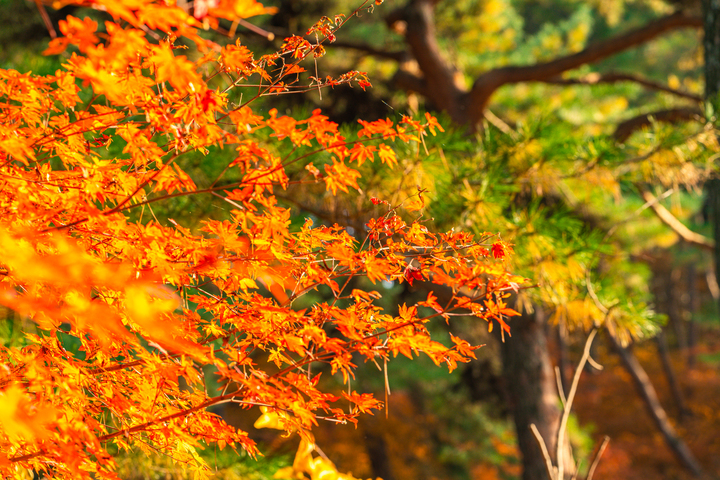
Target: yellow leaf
269 419
286 472
414 204
150 306
321 469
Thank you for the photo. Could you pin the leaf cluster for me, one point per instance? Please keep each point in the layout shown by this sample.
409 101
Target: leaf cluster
134 313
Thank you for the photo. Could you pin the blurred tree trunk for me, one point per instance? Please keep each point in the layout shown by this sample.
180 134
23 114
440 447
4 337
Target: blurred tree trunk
533 395
711 43
711 17
377 450
692 307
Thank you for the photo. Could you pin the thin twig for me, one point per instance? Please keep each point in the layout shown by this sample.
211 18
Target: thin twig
568 405
595 364
558 380
46 19
596 460
545 454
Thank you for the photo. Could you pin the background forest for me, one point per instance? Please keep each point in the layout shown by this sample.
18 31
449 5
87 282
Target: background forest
578 131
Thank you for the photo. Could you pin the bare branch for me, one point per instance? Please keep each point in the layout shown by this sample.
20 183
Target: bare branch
486 84
596 460
596 78
568 405
500 124
46 19
398 55
626 128
545 454
676 225
412 83
655 409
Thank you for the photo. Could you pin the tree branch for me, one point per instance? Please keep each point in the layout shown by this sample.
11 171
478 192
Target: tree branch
596 459
655 409
444 86
486 84
409 82
595 78
676 225
672 115
398 55
562 430
46 19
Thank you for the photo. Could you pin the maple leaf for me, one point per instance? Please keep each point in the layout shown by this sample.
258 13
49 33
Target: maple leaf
178 71
412 273
463 347
340 176
76 32
433 123
149 306
382 127
364 402
151 302
360 153
414 204
498 250
387 155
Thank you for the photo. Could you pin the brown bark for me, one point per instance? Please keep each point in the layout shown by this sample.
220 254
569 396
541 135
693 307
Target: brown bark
377 451
655 409
674 310
711 42
438 76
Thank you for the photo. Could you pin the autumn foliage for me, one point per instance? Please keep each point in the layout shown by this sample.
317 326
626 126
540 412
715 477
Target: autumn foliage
151 305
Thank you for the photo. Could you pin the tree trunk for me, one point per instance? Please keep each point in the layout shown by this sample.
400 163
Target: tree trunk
655 409
711 17
378 452
533 393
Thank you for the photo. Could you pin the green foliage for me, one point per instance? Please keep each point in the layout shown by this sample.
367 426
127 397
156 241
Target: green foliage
225 464
569 203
